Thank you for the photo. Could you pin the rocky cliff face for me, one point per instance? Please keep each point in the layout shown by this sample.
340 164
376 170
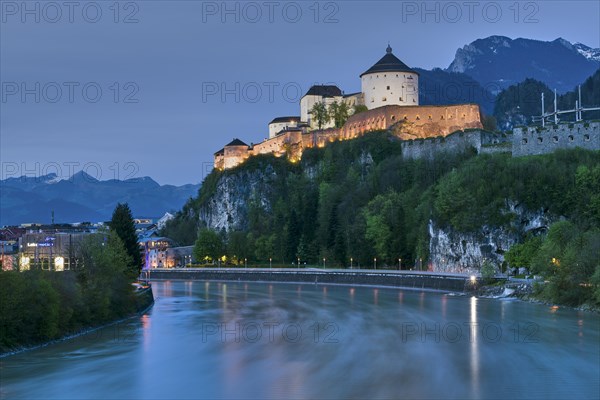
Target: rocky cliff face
228 207
452 251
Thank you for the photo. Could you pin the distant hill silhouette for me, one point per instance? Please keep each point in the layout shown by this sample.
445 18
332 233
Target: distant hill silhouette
84 198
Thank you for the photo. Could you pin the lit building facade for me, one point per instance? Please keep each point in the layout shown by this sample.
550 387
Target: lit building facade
49 251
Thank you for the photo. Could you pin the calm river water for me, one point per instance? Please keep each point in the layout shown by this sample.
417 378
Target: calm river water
260 340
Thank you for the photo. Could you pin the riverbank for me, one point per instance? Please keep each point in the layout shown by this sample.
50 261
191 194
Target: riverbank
524 291
404 279
145 299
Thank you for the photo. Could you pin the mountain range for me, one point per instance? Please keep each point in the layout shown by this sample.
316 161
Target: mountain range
482 70
83 198
497 62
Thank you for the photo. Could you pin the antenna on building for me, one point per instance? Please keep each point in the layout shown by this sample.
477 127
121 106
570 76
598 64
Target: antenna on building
543 113
555 109
578 110
578 113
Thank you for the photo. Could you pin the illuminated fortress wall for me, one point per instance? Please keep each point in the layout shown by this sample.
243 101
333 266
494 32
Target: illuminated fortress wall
406 122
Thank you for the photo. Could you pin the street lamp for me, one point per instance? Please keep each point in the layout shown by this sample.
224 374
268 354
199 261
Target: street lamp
298 262
375 262
323 262
270 262
350 262
245 263
399 264
420 264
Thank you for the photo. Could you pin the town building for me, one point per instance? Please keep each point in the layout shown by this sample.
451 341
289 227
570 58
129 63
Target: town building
51 251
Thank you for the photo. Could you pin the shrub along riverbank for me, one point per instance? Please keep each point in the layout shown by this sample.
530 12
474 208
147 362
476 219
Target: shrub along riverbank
40 306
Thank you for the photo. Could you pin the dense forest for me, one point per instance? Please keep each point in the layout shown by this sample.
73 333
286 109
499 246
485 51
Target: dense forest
517 104
360 199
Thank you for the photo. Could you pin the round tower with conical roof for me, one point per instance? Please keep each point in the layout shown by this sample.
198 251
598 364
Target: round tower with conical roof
390 82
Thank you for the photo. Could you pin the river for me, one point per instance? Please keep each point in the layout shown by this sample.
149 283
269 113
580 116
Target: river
261 340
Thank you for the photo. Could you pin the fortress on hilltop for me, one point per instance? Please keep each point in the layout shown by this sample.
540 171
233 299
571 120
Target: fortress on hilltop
389 100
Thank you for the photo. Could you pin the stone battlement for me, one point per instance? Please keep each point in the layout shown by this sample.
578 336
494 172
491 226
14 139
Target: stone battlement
457 142
536 140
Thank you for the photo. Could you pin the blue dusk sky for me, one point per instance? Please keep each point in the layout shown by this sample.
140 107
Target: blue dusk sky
154 88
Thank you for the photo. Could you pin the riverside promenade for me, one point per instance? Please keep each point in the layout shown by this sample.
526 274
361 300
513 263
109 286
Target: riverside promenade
394 278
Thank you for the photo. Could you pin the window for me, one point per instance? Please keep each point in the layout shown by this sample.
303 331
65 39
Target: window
586 137
540 140
555 139
524 141
571 138
400 98
383 99
394 118
418 118
388 88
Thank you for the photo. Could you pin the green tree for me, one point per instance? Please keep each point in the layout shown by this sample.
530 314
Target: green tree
586 195
320 114
338 112
488 270
264 247
181 229
106 276
122 224
237 246
595 280
208 246
521 254
360 108
385 220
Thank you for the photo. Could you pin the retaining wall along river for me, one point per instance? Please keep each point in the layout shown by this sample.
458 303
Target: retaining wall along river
406 279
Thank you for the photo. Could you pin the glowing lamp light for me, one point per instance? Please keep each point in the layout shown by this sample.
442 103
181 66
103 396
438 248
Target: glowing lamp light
59 264
24 263
473 279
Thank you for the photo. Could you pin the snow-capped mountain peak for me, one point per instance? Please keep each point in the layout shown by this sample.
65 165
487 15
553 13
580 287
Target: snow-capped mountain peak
587 52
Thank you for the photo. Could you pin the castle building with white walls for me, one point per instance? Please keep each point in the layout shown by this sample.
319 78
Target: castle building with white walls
390 82
390 93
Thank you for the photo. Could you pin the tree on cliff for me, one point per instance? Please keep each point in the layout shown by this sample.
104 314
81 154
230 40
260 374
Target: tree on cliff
320 114
122 224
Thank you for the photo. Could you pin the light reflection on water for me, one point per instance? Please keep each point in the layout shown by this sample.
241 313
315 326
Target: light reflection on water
201 340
